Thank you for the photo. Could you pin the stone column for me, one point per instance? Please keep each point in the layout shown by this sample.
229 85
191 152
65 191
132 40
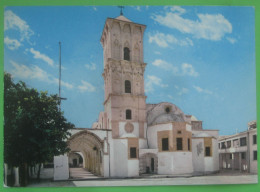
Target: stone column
239 161
233 161
5 172
220 160
16 177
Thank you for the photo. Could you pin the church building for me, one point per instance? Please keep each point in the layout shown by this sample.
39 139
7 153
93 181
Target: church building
132 137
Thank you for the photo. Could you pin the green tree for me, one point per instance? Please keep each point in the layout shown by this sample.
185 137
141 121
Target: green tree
35 129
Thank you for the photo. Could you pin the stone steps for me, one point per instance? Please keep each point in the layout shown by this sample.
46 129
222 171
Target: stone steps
81 173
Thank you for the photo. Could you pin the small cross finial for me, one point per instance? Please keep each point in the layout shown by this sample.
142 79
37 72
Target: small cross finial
121 11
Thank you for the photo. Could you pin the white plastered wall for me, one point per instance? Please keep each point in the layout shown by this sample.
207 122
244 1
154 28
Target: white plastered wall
142 144
174 163
61 167
198 155
123 133
212 163
118 158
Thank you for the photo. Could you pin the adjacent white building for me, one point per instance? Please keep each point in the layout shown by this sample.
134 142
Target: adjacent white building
239 151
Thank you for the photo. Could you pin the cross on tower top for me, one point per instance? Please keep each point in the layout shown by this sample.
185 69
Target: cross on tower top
121 11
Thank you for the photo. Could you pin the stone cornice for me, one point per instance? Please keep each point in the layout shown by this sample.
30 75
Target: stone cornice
124 95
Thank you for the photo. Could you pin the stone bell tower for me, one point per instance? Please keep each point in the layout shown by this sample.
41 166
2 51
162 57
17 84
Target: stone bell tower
125 106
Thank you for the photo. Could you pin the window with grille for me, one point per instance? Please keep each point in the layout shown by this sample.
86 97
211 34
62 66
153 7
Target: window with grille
243 141
243 155
255 155
235 143
128 114
165 144
207 151
133 152
254 139
228 144
179 143
223 145
127 86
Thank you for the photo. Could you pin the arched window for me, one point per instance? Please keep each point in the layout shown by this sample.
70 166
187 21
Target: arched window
127 54
127 86
128 114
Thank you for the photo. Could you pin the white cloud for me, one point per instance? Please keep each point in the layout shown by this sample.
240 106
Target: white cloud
231 40
12 44
200 90
183 91
12 21
164 40
185 69
86 86
63 84
138 8
38 55
91 67
176 9
207 26
170 96
34 72
95 9
157 53
152 81
165 65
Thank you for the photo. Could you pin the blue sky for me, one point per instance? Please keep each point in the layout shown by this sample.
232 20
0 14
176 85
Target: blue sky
201 58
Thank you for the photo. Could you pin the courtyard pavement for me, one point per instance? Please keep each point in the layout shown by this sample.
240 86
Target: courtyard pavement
82 178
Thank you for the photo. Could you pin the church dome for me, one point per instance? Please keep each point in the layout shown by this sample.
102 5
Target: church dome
164 113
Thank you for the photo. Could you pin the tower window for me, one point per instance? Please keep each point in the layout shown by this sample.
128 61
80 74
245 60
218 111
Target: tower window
128 114
165 144
127 54
127 86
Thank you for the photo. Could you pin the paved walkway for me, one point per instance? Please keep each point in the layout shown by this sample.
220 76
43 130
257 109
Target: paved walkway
201 180
81 173
198 180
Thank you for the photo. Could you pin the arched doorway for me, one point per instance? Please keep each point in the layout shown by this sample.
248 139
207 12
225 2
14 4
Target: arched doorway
90 147
148 163
76 159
